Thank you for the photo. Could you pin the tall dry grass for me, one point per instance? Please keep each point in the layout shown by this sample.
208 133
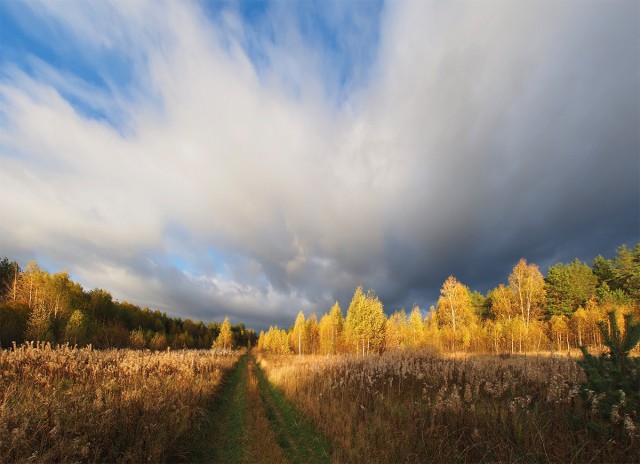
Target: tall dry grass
419 407
80 405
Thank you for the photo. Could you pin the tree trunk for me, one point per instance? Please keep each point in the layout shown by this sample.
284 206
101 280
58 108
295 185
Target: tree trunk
15 280
520 340
333 337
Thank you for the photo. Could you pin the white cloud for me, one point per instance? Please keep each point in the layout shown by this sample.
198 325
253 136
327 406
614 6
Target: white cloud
451 135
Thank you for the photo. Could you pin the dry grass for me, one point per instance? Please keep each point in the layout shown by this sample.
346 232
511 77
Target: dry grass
80 405
422 407
261 443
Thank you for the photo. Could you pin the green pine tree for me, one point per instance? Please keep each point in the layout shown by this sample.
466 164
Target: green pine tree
613 379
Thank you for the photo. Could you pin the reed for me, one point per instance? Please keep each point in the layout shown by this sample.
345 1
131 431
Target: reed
422 407
66 404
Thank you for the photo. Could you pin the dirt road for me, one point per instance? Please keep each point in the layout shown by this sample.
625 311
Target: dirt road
250 422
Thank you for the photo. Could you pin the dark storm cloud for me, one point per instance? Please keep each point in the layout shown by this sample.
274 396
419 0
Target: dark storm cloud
472 135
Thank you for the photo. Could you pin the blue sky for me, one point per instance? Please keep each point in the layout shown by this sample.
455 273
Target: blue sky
344 34
253 159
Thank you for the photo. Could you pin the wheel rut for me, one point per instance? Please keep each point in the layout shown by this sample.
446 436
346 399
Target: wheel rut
251 422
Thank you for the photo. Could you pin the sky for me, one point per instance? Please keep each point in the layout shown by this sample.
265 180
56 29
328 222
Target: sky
255 159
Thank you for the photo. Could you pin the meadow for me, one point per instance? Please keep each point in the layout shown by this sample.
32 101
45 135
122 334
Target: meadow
83 405
426 407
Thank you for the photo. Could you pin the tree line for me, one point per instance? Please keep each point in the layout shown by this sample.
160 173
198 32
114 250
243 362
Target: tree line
39 306
529 312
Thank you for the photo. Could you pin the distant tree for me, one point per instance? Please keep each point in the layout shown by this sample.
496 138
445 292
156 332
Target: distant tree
137 340
569 286
225 339
578 324
396 331
605 296
455 310
276 341
312 331
9 274
479 304
298 334
330 330
504 312
431 328
559 328
76 328
110 335
415 328
158 342
527 284
626 271
101 305
13 323
39 325
603 270
365 323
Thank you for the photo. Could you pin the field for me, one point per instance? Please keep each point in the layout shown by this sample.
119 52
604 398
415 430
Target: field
423 407
83 405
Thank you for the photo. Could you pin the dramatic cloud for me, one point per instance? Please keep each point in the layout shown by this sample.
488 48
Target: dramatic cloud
213 159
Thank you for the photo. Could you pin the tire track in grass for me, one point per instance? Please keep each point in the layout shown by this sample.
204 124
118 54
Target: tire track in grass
298 438
261 440
251 422
221 439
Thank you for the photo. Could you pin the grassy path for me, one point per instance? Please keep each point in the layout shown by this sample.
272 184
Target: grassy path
251 422
225 419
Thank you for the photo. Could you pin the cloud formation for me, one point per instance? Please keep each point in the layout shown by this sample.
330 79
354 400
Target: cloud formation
208 163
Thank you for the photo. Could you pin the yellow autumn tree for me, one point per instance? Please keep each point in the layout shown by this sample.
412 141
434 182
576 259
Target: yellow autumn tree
503 312
276 341
559 329
527 284
225 338
312 332
456 314
298 335
365 323
396 331
330 330
431 329
415 329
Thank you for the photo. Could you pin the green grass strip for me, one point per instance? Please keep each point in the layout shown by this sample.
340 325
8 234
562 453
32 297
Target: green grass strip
221 437
298 437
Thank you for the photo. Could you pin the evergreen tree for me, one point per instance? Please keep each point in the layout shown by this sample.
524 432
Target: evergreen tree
626 271
613 378
569 286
